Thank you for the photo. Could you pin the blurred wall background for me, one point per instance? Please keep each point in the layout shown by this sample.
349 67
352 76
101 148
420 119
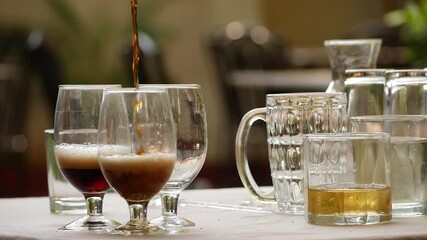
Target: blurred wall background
188 24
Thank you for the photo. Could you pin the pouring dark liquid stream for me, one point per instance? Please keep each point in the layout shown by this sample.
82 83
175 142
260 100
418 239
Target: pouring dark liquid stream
135 42
135 62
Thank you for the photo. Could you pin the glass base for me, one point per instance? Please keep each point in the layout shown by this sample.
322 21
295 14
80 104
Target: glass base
67 205
292 209
139 227
91 223
172 222
255 205
348 219
409 209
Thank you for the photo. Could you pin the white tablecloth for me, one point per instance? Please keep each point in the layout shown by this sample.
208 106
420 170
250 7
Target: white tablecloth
29 218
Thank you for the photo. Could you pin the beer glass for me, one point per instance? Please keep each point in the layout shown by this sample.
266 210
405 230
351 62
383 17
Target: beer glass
190 118
408 158
75 132
288 117
137 151
347 178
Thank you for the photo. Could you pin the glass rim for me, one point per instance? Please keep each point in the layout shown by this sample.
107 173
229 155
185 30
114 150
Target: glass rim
134 90
331 42
365 80
397 73
49 131
172 85
306 94
388 118
347 136
306 99
365 72
88 86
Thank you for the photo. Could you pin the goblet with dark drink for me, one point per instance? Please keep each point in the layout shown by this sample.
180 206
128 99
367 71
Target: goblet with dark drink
79 163
76 150
137 150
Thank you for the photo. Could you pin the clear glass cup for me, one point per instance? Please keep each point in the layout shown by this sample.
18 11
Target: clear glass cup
347 178
190 118
365 91
408 158
63 197
406 92
75 131
350 54
138 149
288 117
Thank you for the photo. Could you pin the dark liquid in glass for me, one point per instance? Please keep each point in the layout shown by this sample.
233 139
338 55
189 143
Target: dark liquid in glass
86 180
138 178
79 164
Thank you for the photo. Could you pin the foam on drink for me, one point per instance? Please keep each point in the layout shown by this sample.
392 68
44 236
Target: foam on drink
138 177
79 164
77 156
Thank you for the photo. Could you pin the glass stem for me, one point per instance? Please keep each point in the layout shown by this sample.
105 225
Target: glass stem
138 212
94 205
169 204
94 208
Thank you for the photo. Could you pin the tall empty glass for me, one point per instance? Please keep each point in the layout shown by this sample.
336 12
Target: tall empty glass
408 158
350 54
137 149
76 128
190 118
63 197
406 92
365 91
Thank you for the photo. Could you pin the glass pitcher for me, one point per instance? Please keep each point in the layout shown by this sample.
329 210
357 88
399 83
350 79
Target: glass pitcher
350 54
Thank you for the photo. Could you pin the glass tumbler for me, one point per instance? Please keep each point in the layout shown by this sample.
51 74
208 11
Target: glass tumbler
408 158
406 92
347 178
365 91
63 197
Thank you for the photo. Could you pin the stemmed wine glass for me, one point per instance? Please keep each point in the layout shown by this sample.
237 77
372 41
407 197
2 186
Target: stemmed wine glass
138 149
75 131
190 119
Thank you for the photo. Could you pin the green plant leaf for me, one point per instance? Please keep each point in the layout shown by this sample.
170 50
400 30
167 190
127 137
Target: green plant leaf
395 18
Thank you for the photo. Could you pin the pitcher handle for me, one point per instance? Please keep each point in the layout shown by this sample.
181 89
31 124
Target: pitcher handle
241 156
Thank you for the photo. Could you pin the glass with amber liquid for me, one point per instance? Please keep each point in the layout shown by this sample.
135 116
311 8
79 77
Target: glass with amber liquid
347 178
330 200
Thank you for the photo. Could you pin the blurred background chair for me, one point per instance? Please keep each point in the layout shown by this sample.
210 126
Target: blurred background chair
241 46
24 56
13 143
244 46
